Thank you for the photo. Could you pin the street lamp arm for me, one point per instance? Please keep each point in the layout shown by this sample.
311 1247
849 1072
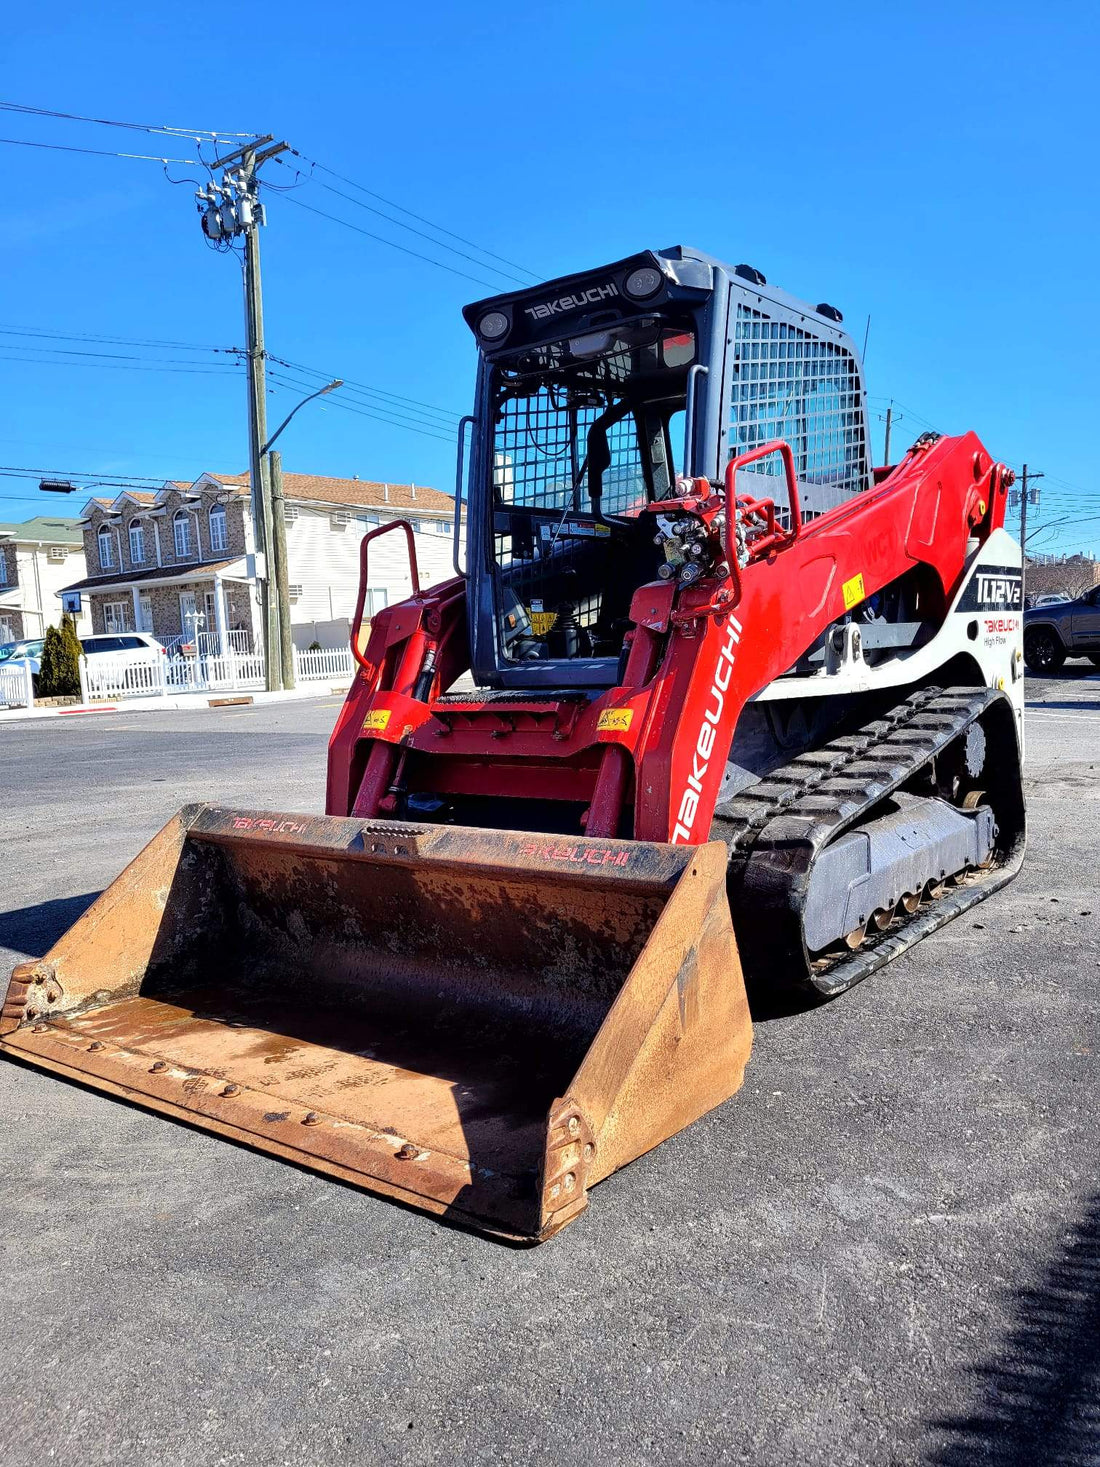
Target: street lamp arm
329 387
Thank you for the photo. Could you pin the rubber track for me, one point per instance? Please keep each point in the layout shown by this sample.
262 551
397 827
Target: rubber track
778 827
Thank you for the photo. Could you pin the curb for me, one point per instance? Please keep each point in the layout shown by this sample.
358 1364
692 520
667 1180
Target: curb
196 702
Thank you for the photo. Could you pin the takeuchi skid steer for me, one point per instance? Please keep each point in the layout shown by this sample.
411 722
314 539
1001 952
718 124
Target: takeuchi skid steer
735 698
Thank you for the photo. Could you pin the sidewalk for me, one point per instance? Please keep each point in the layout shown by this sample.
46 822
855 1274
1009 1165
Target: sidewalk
208 698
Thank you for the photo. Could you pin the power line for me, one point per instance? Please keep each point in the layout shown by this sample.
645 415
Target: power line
189 132
71 351
381 239
439 228
340 194
35 331
410 425
213 370
365 387
101 152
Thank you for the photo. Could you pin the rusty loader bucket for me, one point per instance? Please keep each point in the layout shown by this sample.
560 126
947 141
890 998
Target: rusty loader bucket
479 1023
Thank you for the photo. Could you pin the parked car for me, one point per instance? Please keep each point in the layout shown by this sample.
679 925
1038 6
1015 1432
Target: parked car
125 646
27 650
1052 598
1062 629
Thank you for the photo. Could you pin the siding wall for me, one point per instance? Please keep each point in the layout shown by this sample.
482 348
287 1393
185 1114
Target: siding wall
38 579
325 562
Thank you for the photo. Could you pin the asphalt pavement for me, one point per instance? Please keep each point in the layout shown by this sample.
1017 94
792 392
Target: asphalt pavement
885 1249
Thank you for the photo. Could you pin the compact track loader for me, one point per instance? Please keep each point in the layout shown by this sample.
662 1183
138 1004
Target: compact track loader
735 699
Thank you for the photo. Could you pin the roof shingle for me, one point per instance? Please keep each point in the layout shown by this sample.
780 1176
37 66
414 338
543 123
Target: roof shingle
324 490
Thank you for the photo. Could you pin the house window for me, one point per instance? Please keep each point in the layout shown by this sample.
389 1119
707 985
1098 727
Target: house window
116 616
444 527
181 534
218 537
106 548
290 513
145 613
137 542
375 600
370 521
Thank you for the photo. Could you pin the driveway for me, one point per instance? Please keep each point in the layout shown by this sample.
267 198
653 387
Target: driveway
885 1249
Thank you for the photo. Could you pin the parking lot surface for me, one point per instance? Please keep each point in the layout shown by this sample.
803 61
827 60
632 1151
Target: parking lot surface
885 1249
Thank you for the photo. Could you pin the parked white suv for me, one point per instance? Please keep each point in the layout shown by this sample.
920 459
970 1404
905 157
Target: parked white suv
125 646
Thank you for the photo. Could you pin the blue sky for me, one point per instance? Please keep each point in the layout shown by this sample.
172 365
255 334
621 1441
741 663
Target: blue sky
931 166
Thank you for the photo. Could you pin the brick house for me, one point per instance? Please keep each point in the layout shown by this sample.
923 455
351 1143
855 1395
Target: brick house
37 558
180 562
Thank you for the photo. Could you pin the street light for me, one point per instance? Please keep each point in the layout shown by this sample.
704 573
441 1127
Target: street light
321 391
272 472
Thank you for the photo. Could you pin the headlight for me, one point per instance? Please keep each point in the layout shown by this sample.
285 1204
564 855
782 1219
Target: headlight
643 283
492 325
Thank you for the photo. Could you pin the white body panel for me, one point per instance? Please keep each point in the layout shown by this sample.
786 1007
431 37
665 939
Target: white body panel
992 637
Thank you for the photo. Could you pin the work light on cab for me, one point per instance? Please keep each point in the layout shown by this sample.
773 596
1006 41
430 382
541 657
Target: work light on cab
643 283
492 325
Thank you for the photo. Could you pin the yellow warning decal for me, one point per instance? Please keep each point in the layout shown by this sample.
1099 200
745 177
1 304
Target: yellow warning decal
542 621
619 718
376 721
853 592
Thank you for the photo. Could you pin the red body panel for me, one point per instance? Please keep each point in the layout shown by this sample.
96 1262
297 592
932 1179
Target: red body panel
697 655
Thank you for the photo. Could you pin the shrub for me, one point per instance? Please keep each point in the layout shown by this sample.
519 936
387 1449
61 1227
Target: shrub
59 675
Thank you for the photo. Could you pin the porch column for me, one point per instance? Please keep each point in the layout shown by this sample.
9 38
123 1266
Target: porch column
137 608
220 617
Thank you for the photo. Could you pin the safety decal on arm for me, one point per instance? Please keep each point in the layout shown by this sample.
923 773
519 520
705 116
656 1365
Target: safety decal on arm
853 592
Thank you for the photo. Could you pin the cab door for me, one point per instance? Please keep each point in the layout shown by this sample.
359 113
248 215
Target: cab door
1086 619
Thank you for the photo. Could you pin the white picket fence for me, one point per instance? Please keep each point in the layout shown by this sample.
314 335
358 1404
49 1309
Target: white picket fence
17 686
111 678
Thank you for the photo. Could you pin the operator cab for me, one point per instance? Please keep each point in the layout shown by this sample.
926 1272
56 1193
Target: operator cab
595 393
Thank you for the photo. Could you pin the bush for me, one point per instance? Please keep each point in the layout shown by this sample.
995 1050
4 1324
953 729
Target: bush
314 646
59 675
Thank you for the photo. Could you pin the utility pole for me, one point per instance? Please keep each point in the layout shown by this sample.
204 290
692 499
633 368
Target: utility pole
278 551
228 210
1024 477
889 425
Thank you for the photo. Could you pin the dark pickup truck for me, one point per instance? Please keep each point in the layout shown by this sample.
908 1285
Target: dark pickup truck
1071 629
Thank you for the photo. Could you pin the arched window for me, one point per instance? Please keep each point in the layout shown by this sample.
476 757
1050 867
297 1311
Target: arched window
106 548
218 537
181 534
137 542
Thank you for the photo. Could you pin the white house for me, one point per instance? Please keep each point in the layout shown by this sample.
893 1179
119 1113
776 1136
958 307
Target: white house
37 559
180 562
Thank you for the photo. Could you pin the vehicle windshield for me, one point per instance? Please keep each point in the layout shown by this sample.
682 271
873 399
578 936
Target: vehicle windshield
582 441
587 416
19 649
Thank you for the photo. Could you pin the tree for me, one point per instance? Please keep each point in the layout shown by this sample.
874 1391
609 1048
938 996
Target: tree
59 674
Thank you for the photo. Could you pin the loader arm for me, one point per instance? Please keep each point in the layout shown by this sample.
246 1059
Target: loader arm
646 757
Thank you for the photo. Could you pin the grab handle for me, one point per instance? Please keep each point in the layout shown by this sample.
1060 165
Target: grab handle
413 570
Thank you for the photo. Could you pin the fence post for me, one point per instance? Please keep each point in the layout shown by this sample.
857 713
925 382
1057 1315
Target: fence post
28 683
162 663
82 665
